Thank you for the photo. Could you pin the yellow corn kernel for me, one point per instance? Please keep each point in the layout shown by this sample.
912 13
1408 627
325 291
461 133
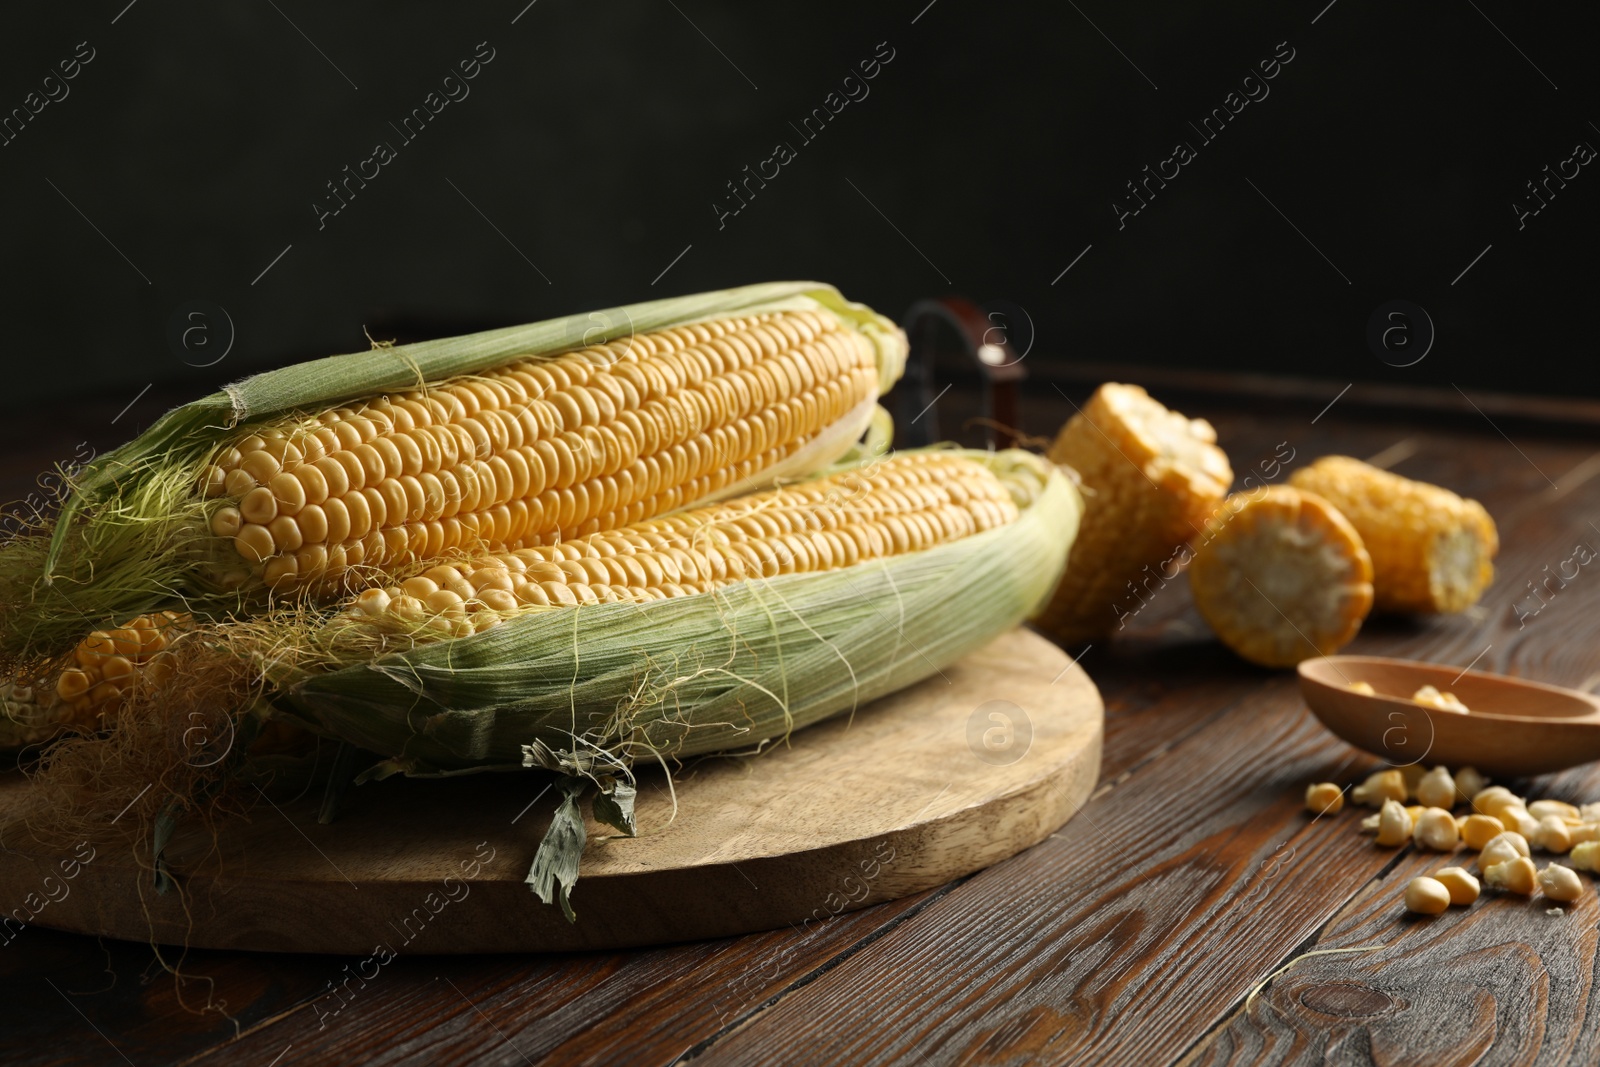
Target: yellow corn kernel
1437 789
1364 688
1478 830
1431 550
1492 800
1324 798
1540 809
1151 477
1463 887
1559 883
1513 875
1281 577
1585 856
1503 846
1426 896
1552 834
1394 825
1380 786
1430 697
1436 829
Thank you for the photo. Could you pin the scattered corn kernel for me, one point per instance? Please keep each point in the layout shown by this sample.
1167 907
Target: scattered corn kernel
1584 831
1427 896
1489 801
1394 825
1369 825
1478 830
1437 789
1552 834
1559 883
1436 829
1412 774
1469 783
1503 846
1379 786
1541 809
1517 819
1324 798
1514 876
1430 697
1364 688
1463 887
1585 857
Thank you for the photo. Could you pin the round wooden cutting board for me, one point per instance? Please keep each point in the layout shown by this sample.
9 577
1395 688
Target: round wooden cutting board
921 787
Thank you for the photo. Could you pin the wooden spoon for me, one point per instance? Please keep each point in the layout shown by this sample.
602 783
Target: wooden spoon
1514 728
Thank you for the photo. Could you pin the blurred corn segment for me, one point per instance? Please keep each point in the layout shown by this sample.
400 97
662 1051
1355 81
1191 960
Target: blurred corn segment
1432 550
535 452
897 506
1281 576
1150 478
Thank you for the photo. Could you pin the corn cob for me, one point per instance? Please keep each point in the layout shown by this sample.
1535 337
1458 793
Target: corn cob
1151 478
718 628
904 505
770 623
1281 576
106 662
538 449
1431 550
307 479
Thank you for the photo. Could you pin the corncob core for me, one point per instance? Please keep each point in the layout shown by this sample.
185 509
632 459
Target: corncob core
536 451
1431 550
1151 478
900 505
1281 576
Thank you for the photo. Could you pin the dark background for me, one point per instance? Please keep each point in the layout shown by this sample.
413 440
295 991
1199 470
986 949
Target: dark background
984 161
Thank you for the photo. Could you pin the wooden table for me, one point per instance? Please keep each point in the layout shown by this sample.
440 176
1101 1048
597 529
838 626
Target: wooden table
1141 933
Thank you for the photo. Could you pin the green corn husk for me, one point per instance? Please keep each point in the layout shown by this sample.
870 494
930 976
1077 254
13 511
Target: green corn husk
131 536
612 684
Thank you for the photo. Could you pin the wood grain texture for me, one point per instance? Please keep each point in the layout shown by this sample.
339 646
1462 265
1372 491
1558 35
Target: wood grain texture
900 797
1138 949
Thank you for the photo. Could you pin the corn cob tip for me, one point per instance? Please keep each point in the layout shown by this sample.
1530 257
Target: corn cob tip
1432 551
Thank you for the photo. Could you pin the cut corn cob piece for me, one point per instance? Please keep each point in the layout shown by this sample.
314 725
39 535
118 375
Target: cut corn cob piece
1151 478
1431 550
856 584
309 478
1281 577
906 504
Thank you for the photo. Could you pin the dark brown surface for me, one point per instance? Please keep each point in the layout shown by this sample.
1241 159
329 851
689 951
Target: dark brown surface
1134 935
